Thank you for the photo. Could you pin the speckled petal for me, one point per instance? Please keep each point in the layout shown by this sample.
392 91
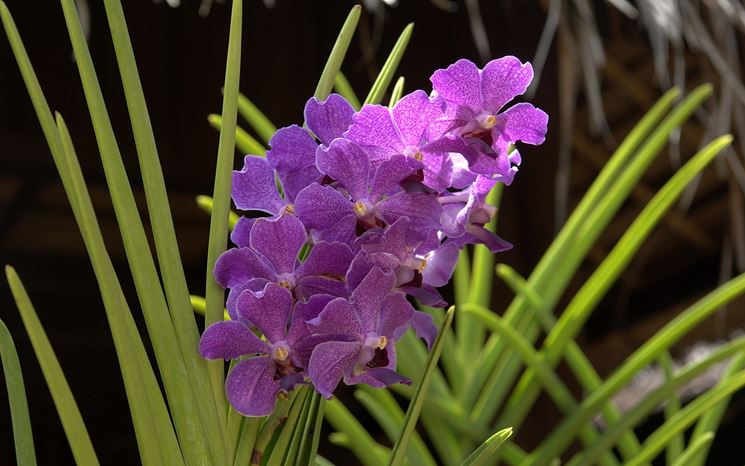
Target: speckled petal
269 310
254 187
238 266
522 122
279 240
339 317
329 362
251 388
328 119
374 130
347 163
502 80
459 84
230 340
413 114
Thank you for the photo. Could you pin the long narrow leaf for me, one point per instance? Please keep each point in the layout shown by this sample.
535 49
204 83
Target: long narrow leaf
484 455
380 86
364 447
23 437
192 431
64 401
338 52
218 239
666 337
698 444
152 423
342 86
244 142
417 401
256 118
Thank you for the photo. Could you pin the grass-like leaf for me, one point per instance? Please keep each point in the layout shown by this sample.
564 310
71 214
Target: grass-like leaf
343 88
164 234
652 401
188 416
67 408
256 118
380 86
484 455
218 236
595 287
662 340
697 446
417 401
23 437
397 92
364 447
206 203
152 424
338 52
244 142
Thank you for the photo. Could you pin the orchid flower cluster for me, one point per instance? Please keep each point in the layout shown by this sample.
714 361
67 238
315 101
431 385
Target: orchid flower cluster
363 211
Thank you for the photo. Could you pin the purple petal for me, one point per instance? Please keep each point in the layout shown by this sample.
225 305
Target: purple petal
427 295
395 313
318 284
242 231
329 362
440 265
327 258
394 241
269 310
337 318
502 80
292 149
422 209
363 263
279 240
230 340
424 327
256 285
378 377
373 129
438 170
238 266
459 84
294 182
347 163
413 114
521 122
369 295
303 312
479 235
328 119
251 388
390 173
325 209
254 187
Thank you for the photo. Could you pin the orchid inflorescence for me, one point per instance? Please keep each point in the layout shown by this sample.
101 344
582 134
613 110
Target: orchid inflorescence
364 209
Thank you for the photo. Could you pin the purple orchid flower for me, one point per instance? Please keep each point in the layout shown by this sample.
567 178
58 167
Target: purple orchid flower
466 213
272 256
362 332
272 366
293 149
364 196
478 130
384 132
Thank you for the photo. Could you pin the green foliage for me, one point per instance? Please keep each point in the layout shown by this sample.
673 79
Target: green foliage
471 392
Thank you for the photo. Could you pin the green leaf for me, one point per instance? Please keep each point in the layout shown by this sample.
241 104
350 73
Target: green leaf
207 204
484 455
246 440
380 86
662 340
282 446
312 431
164 234
417 401
342 86
256 118
67 408
672 406
338 52
195 435
685 417
23 437
244 142
152 423
698 444
364 447
653 400
218 239
397 92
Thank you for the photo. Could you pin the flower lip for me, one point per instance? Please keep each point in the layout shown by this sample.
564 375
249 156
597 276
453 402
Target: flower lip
487 120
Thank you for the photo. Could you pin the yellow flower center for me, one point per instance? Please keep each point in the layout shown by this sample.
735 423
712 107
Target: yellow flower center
382 342
360 208
280 353
290 208
489 122
285 284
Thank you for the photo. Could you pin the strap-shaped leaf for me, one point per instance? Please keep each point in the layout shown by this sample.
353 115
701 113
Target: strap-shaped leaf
484 455
256 118
64 401
244 142
343 88
23 437
218 236
417 401
397 92
380 86
338 52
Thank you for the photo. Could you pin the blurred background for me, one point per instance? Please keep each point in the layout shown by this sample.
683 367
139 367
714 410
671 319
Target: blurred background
602 64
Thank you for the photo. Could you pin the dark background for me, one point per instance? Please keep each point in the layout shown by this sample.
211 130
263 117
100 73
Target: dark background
181 59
